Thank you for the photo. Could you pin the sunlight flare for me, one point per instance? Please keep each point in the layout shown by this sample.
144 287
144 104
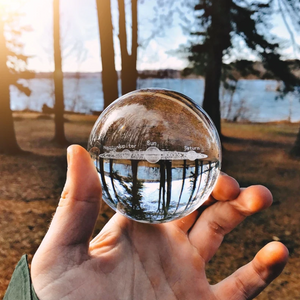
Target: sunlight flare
10 5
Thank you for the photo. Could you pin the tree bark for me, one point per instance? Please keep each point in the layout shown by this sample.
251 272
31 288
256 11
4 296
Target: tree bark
8 141
295 151
219 41
129 71
59 106
211 102
109 74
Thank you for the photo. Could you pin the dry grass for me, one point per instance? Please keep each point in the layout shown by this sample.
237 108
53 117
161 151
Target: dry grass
258 154
254 154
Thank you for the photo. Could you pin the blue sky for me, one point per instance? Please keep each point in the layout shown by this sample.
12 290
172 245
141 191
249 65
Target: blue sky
80 41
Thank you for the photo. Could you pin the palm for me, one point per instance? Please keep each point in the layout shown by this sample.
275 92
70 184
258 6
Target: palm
151 262
130 260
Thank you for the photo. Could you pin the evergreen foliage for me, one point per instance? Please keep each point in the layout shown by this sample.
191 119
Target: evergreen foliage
220 25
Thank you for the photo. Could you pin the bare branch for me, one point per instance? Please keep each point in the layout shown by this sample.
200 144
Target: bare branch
287 26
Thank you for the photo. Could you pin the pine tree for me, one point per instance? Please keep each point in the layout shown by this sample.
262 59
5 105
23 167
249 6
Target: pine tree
219 23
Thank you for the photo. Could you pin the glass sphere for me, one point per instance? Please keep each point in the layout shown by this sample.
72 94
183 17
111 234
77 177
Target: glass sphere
157 153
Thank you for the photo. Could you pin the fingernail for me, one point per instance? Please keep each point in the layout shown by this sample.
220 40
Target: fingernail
69 154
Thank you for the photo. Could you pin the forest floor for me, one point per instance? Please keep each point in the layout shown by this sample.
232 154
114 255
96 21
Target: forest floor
30 186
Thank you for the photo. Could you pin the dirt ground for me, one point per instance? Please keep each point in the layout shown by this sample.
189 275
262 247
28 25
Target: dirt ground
30 186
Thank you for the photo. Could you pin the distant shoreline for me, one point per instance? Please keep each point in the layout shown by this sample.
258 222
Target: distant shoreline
145 74
260 73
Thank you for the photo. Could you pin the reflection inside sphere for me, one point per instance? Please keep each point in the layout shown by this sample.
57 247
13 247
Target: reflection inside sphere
157 154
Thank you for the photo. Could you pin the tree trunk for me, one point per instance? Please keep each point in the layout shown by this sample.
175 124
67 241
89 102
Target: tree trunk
109 74
211 102
129 72
134 43
219 41
295 151
59 106
8 142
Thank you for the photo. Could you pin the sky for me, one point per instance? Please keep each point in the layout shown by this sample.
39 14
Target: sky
80 37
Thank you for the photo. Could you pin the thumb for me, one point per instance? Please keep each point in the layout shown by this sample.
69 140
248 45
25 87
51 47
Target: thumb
77 211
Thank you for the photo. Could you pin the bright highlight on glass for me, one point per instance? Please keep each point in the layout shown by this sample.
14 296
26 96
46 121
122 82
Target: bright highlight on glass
157 153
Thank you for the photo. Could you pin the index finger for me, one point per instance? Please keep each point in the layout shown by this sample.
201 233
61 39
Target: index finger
226 188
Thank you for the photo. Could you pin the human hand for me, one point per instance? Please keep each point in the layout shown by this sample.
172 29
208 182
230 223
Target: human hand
131 260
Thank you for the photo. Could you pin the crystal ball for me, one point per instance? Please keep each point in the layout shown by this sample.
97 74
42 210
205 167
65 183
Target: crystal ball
157 154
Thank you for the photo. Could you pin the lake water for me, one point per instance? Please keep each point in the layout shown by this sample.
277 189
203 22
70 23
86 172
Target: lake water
254 100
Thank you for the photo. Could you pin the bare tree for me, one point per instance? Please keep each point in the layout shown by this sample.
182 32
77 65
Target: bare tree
12 68
129 71
59 106
109 74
